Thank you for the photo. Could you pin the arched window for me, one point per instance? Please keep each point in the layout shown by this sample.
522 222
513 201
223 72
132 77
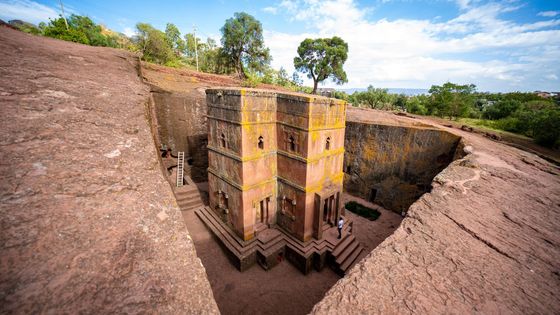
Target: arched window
291 143
328 143
261 142
223 140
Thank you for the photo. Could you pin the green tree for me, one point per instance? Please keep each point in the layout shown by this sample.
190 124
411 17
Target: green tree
546 127
152 44
375 98
417 105
451 99
57 29
322 58
501 109
81 29
243 44
174 40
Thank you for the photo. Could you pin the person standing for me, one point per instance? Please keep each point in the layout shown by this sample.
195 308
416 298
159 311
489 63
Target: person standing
340 225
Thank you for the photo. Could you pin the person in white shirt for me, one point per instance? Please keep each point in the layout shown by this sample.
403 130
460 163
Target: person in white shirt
340 225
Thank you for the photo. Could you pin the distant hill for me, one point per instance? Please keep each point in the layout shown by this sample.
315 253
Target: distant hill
25 26
409 92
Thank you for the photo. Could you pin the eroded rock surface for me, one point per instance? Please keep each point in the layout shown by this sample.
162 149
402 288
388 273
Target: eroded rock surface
394 165
89 225
485 240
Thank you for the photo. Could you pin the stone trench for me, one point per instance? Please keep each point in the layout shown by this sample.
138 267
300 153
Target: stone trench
386 168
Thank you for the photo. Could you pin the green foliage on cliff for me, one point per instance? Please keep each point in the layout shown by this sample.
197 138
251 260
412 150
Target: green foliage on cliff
81 29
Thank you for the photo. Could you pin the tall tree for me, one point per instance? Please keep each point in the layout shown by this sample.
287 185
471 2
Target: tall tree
173 39
451 99
243 43
375 98
322 58
152 44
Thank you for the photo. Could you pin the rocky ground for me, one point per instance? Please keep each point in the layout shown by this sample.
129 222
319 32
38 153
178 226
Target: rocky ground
89 224
485 240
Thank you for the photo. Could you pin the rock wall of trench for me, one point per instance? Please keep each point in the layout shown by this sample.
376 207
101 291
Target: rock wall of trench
181 126
394 165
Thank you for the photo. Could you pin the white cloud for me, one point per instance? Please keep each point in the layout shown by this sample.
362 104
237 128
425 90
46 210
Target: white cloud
548 13
271 10
477 46
26 10
129 31
552 76
463 4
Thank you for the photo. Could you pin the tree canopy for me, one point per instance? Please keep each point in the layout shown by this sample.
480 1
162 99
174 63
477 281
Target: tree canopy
451 99
153 44
322 58
243 44
81 29
174 40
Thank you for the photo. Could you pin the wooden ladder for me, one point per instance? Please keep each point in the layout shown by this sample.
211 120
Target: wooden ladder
180 168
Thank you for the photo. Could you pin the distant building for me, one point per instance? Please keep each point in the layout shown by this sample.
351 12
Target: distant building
327 92
543 94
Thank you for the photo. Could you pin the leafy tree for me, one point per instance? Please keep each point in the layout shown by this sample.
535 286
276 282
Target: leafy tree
451 99
243 44
322 58
174 40
57 29
417 105
152 44
81 29
501 109
190 45
375 98
546 127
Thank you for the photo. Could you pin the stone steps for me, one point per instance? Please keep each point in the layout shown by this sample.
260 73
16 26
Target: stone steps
188 197
346 253
342 245
273 240
351 260
215 225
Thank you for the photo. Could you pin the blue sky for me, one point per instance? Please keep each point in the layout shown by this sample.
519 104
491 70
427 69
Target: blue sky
503 45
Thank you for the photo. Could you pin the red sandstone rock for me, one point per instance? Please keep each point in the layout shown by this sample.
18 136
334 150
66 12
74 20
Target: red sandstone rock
89 225
485 240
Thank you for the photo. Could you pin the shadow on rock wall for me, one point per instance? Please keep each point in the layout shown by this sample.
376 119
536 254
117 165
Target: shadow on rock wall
394 165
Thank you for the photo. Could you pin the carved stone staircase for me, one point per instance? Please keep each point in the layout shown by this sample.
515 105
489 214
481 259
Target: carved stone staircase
268 243
188 197
346 253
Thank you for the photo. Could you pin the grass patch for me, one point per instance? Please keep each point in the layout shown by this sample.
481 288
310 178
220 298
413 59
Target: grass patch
363 211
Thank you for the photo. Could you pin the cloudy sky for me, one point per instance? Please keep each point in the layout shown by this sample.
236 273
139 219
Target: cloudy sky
503 45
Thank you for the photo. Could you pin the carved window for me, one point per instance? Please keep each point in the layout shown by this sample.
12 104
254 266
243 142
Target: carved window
261 142
328 144
223 140
223 200
288 206
291 143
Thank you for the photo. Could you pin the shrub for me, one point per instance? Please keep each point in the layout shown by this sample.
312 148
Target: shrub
363 211
546 128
